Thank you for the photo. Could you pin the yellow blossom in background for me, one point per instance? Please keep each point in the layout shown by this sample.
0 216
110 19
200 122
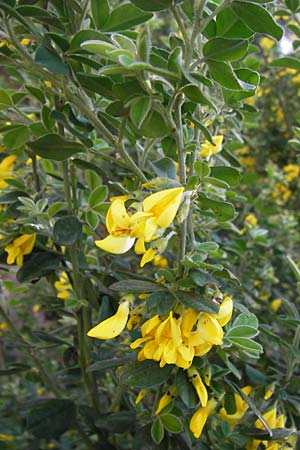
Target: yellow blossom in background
207 149
279 114
3 327
281 193
63 287
160 261
251 219
273 421
241 408
6 437
292 171
48 83
6 167
199 418
275 304
36 308
266 43
166 398
4 43
25 41
114 325
296 79
29 160
21 246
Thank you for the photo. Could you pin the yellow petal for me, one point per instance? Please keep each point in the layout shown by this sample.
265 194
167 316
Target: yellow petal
141 395
139 247
148 256
166 399
164 205
225 311
118 215
116 245
189 319
198 422
199 386
113 326
209 329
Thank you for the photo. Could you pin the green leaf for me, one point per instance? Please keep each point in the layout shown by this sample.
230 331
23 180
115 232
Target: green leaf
223 49
139 110
98 196
230 26
154 126
96 83
229 403
164 168
294 267
5 98
243 331
171 423
197 302
53 146
194 94
286 61
293 5
37 93
153 5
250 320
162 301
16 138
247 344
37 265
124 17
67 230
136 286
186 390
202 169
225 173
100 12
105 364
86 35
98 47
48 419
224 211
144 374
50 60
224 75
257 18
157 431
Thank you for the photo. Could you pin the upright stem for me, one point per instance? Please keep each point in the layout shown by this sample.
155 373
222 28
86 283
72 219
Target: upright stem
182 179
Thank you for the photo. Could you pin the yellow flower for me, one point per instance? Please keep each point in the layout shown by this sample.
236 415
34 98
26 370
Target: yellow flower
3 326
198 384
6 166
114 325
63 287
207 149
158 210
241 408
251 219
166 398
20 247
199 418
135 317
163 205
48 83
275 304
273 421
36 308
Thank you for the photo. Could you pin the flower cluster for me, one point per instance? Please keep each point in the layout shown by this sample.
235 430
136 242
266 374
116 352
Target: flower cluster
292 171
142 223
182 335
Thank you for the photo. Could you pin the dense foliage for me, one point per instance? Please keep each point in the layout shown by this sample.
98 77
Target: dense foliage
149 192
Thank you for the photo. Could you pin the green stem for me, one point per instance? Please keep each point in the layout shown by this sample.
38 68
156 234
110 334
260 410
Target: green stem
177 13
182 179
35 173
213 14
